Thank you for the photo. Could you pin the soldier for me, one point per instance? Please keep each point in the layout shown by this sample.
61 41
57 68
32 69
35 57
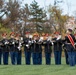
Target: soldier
27 48
36 50
70 39
5 47
57 48
48 49
40 40
12 48
18 45
40 50
1 53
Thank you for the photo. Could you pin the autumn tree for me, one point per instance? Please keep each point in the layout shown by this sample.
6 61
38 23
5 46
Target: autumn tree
12 19
58 19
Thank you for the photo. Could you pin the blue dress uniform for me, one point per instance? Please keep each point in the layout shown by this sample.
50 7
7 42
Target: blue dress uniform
5 47
70 48
37 52
1 52
48 50
13 53
57 50
27 50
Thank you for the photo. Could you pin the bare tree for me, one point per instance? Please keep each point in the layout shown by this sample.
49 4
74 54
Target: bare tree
12 16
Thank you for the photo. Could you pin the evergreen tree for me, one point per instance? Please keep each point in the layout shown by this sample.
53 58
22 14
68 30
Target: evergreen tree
37 16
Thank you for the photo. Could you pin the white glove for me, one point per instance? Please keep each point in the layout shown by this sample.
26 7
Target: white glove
29 41
18 47
52 43
27 45
6 43
13 42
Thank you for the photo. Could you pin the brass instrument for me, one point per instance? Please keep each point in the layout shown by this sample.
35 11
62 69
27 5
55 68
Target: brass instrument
20 43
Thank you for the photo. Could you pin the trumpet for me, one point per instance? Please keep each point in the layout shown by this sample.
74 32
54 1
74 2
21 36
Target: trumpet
19 47
20 43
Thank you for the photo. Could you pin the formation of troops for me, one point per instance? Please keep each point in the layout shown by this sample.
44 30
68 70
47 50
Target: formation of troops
33 47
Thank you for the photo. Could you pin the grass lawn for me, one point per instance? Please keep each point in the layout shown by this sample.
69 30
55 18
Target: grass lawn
38 69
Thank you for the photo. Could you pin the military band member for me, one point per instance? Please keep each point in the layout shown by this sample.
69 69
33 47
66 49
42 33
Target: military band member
57 48
5 47
48 49
36 50
40 40
1 52
12 48
18 45
27 48
70 39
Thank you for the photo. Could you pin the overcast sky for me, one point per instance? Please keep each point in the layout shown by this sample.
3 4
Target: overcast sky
71 4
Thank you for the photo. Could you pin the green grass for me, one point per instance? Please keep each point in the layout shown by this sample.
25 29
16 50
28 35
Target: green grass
38 69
